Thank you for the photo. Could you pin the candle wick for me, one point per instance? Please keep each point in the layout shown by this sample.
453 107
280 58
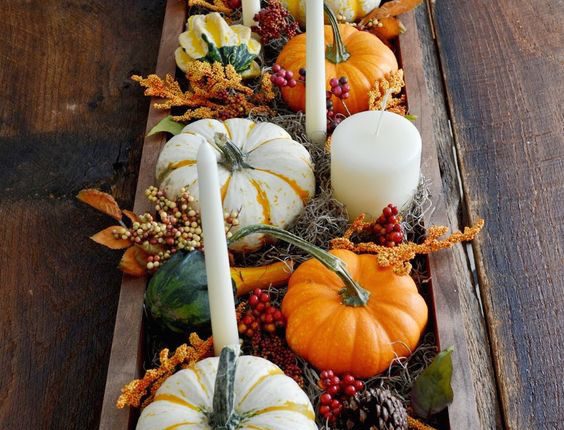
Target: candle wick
382 110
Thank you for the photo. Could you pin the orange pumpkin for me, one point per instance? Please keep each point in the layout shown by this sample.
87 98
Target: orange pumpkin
346 313
358 55
360 338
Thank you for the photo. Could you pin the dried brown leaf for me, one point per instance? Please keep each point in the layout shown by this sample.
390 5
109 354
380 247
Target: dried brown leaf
134 262
106 238
133 217
104 202
391 8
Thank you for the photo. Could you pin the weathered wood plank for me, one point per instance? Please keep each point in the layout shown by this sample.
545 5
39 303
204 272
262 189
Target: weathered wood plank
126 355
471 314
504 78
69 119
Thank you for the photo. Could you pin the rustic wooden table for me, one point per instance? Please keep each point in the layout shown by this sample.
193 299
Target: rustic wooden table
70 118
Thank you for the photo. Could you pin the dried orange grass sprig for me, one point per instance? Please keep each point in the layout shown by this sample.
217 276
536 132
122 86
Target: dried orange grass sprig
216 91
399 256
220 6
394 83
140 392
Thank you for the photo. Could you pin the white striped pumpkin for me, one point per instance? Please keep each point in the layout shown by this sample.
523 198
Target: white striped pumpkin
263 173
250 393
350 10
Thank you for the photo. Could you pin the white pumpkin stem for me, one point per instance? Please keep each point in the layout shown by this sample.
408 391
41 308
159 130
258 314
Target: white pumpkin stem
223 416
234 157
353 293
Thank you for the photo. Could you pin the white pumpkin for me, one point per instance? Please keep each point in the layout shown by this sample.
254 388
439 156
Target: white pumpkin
263 173
249 393
350 10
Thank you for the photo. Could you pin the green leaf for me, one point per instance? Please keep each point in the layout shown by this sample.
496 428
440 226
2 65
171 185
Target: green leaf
411 117
432 391
167 125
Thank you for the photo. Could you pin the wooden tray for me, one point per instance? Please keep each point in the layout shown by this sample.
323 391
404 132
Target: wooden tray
126 353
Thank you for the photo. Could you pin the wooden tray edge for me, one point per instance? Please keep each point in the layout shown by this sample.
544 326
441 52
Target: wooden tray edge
463 412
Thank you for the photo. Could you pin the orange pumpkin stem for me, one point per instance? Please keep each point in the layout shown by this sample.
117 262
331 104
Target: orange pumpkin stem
336 53
353 294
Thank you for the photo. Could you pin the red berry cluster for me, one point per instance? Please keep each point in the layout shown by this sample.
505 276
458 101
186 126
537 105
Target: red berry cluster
340 87
274 22
282 78
273 348
335 390
388 228
261 315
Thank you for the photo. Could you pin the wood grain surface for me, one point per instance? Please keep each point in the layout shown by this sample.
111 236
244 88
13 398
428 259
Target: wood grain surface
459 318
126 354
504 78
69 118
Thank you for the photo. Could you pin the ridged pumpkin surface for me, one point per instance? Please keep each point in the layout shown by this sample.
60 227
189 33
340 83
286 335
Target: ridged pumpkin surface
272 187
361 340
265 399
369 61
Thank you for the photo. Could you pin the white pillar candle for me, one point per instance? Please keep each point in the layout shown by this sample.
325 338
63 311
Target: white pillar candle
220 290
250 9
369 170
316 116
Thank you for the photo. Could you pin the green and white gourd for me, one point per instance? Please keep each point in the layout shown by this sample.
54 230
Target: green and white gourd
210 38
229 393
263 172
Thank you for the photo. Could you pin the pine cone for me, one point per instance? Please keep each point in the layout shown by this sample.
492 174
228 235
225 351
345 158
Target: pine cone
374 409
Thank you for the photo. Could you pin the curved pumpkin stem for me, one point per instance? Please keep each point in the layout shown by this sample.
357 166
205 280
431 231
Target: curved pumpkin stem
234 157
353 294
336 53
223 417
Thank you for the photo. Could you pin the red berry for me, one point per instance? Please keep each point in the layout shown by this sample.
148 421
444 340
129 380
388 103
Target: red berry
348 379
292 83
248 319
257 291
345 95
334 83
359 385
333 389
278 315
335 404
253 300
260 307
276 68
343 80
323 375
346 88
337 91
325 399
264 298
324 410
268 319
289 74
387 211
350 390
392 219
390 244
394 210
397 237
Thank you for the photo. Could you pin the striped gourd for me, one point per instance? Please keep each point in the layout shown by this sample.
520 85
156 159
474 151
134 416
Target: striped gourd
263 173
246 393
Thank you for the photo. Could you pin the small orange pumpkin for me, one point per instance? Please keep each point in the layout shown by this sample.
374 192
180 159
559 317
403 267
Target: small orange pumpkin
346 313
358 55
330 326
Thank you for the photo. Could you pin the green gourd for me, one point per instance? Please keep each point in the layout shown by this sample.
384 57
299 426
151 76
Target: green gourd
177 294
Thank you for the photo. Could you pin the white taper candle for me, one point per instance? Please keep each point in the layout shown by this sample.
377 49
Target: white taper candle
316 115
220 289
250 9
